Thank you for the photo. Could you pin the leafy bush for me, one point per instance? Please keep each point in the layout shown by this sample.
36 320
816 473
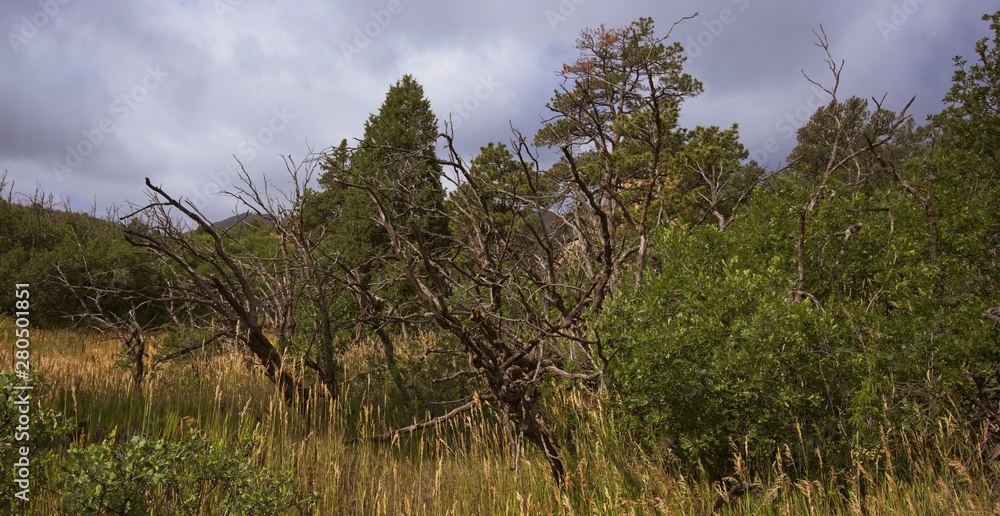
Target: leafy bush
184 477
39 238
713 355
47 432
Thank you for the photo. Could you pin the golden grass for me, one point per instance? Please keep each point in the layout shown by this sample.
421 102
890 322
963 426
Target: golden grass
463 466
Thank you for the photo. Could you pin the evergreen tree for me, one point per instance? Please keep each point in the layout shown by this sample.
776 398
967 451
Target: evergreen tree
396 158
397 154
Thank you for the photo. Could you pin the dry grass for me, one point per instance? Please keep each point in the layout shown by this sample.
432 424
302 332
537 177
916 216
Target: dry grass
463 467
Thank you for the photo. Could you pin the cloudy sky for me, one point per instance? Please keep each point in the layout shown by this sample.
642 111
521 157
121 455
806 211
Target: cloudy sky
93 98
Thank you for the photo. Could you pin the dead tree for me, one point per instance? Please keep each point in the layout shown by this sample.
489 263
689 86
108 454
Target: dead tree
514 286
925 198
117 297
215 273
129 329
538 252
842 152
305 277
465 288
277 295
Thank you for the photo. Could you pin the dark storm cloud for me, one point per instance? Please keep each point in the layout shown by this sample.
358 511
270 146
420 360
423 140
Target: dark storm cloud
175 90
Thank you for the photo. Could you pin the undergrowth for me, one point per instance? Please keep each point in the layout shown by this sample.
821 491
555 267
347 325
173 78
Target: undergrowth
209 435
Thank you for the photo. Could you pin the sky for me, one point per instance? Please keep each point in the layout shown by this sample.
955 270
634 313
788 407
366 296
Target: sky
94 98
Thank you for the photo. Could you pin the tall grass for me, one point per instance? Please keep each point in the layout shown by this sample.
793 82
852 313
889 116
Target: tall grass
464 465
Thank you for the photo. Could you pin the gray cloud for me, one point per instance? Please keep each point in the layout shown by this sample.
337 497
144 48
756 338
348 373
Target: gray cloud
228 65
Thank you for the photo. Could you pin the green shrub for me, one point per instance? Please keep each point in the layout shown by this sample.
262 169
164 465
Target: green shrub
141 476
47 432
716 356
713 355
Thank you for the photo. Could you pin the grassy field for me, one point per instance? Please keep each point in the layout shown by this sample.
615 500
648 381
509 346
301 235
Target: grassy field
464 466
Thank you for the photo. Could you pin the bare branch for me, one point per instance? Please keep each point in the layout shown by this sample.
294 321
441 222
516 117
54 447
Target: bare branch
419 426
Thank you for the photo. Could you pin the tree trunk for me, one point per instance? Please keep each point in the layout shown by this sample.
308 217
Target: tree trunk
295 395
390 362
932 228
517 399
136 346
535 431
800 258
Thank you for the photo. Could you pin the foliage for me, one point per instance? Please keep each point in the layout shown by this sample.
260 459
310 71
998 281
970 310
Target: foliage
397 153
47 432
973 103
711 178
187 476
720 353
715 356
967 159
616 125
41 239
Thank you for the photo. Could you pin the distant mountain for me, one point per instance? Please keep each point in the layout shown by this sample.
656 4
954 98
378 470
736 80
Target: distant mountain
241 218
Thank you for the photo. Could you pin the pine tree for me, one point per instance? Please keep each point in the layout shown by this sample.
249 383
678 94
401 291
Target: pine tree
396 158
398 152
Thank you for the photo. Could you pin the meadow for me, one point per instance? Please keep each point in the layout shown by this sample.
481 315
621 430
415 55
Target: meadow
460 467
